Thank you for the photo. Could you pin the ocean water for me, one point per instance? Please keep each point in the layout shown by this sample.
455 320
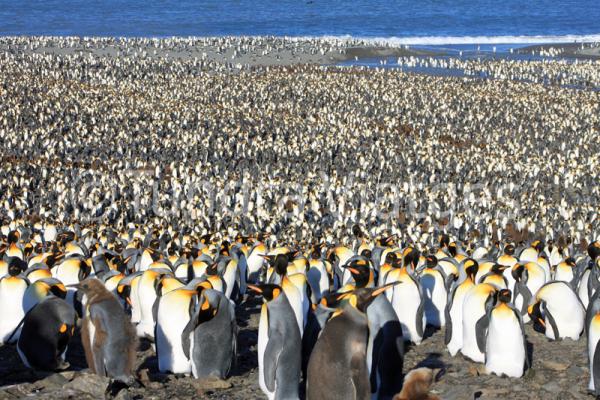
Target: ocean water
433 22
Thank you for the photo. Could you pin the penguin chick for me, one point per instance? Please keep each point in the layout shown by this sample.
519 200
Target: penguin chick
416 385
108 338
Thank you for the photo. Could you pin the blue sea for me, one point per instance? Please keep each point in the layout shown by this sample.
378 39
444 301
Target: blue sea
424 22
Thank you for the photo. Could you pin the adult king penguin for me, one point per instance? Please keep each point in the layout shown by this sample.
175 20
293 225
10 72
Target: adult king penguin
279 345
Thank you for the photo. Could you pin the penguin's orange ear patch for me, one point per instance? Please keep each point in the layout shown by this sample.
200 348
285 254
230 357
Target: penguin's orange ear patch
63 328
276 293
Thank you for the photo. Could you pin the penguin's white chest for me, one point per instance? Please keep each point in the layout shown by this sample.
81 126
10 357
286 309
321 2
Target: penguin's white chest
505 350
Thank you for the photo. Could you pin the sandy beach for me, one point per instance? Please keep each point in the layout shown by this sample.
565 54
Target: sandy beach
281 113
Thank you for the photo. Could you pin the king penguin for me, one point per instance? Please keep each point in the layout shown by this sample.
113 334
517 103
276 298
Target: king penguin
454 308
506 347
558 310
337 369
279 345
478 301
47 330
210 337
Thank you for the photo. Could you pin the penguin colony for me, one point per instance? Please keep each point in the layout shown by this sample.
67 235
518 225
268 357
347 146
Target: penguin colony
150 197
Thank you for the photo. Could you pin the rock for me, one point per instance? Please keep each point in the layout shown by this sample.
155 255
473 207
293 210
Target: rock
210 384
51 382
476 370
555 365
92 384
552 387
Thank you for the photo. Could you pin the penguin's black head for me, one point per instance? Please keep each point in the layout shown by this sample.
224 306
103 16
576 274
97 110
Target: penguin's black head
279 262
366 253
538 245
504 296
291 255
594 250
390 258
471 267
509 249
13 237
357 232
16 266
224 251
330 300
268 291
206 310
518 272
571 262
205 239
411 256
360 272
535 313
431 261
453 249
498 269
444 240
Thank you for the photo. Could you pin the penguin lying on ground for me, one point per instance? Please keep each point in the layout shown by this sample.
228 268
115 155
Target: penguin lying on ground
47 330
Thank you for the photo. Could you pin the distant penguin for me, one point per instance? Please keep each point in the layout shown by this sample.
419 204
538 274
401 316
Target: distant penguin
558 311
478 301
279 344
454 308
342 347
108 338
210 337
47 330
506 347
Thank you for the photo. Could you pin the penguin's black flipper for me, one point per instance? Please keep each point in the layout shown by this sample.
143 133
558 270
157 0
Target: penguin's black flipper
448 332
481 328
596 367
185 336
419 324
271 358
552 324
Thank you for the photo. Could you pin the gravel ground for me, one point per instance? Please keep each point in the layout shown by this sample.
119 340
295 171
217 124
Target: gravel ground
559 372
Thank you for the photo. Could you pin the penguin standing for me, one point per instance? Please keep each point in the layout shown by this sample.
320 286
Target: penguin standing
108 338
173 311
593 343
279 344
47 330
433 284
454 308
478 301
12 291
408 303
385 348
342 349
506 347
210 338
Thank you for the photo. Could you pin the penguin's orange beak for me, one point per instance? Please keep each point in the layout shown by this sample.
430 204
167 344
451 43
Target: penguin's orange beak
255 288
382 289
